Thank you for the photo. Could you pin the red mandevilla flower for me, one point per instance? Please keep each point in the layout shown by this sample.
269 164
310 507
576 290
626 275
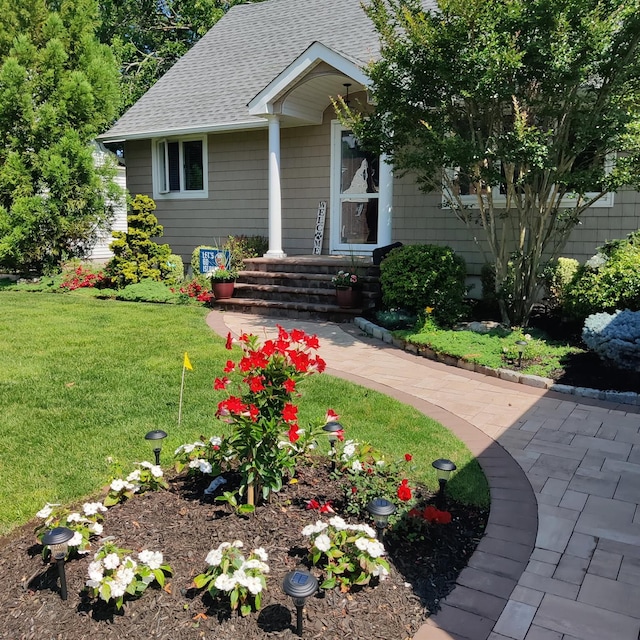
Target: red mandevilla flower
408 457
331 416
289 385
297 335
431 514
221 383
229 342
321 365
289 412
311 342
313 504
230 366
293 433
255 384
404 491
254 412
232 405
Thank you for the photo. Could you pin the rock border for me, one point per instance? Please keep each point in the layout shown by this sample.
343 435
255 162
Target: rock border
375 331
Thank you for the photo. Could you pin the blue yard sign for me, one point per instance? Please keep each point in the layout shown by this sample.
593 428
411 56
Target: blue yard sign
213 259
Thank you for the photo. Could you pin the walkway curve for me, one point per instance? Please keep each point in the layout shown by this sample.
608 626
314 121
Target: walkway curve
570 467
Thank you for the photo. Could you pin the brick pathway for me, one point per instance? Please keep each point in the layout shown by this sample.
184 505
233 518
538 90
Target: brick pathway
561 556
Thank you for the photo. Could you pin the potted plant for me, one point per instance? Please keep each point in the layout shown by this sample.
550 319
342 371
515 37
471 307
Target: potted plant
223 281
347 286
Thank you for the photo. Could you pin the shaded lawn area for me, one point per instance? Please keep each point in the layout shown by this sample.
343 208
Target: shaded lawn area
82 381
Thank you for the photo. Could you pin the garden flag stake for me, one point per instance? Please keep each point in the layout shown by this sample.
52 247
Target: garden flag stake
186 364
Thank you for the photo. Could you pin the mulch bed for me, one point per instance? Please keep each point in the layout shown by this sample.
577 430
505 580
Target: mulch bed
185 527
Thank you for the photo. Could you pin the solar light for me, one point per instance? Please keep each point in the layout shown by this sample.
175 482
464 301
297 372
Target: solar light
443 468
521 345
156 436
333 429
57 540
299 585
380 510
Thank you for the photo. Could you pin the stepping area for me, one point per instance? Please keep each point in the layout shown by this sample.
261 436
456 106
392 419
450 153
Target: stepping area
561 556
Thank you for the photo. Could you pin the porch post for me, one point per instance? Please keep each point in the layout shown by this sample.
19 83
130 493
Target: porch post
385 203
275 201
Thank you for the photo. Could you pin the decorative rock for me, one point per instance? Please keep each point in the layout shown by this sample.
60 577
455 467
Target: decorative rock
464 364
510 376
387 337
562 388
589 393
536 381
486 371
481 327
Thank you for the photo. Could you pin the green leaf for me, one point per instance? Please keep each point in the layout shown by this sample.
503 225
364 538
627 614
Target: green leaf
329 583
246 508
159 574
202 580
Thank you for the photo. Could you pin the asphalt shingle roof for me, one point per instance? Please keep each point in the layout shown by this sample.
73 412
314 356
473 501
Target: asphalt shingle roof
210 86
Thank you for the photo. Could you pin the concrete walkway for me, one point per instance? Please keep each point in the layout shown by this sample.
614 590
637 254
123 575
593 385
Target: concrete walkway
561 556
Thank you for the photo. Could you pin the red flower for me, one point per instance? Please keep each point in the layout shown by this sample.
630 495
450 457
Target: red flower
269 348
414 513
289 385
339 435
254 412
245 364
297 335
321 365
326 507
444 518
408 457
313 504
354 490
281 346
255 384
431 514
244 337
293 433
259 360
231 365
300 360
404 491
229 341
282 334
231 405
331 416
221 383
312 342
289 412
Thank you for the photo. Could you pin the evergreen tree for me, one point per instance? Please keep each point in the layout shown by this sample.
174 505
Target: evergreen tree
58 90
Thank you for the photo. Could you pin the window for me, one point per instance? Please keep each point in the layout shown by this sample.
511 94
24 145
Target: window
461 185
180 168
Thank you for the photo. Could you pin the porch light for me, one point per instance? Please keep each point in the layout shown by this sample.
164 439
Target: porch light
332 430
521 345
380 510
443 469
299 585
156 437
346 85
57 540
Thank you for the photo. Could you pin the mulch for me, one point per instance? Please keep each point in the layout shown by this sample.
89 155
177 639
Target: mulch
184 526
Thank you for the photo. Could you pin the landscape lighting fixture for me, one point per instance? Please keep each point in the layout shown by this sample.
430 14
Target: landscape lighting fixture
443 468
333 428
380 510
521 345
299 585
156 436
57 540
346 85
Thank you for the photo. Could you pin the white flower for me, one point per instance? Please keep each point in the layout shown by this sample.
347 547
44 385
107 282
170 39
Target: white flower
94 584
117 485
224 545
380 463
205 466
241 577
224 582
76 539
322 542
338 523
91 508
256 564
96 527
310 529
362 544
349 449
216 441
261 553
46 511
214 557
134 476
254 585
153 559
96 571
111 561
238 544
118 588
75 517
156 471
375 548
381 572
356 465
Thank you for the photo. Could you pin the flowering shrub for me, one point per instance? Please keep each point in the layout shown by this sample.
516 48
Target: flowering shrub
431 514
365 475
81 277
348 554
114 573
84 524
241 580
344 279
195 290
148 477
266 437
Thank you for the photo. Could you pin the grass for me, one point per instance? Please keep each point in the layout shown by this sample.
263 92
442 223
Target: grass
496 349
82 381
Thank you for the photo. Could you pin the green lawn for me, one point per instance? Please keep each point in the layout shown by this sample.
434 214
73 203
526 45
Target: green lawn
82 381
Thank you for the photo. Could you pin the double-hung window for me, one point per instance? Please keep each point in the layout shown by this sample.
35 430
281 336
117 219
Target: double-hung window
180 168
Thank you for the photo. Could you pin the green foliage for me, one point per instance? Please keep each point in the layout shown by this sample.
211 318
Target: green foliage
136 255
417 276
557 278
147 291
608 281
58 90
175 269
515 112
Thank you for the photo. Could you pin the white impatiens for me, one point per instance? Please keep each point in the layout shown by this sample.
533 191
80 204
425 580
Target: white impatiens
153 559
93 508
323 542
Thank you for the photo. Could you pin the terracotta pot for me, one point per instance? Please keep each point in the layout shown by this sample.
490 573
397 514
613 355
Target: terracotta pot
222 290
346 297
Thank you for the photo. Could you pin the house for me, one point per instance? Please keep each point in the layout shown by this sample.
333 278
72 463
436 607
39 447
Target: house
240 136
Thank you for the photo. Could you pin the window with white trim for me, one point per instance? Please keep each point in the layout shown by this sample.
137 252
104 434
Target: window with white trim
180 167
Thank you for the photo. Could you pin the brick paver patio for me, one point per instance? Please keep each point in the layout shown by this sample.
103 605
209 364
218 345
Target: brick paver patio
561 556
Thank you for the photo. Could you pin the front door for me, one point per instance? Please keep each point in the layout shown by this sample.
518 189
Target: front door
355 194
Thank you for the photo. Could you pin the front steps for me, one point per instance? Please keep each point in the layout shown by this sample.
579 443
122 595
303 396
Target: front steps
300 287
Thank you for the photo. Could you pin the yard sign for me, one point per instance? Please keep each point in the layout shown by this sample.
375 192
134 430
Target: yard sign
213 259
319 234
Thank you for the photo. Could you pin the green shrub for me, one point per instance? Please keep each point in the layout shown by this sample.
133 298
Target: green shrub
608 281
175 266
417 276
148 291
136 256
557 278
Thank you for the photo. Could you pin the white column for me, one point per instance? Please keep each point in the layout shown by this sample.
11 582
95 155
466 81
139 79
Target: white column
385 203
275 199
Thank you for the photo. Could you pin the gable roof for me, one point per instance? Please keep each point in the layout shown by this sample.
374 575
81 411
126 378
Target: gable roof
209 88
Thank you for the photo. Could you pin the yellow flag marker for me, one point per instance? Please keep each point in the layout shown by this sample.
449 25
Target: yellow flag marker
187 362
